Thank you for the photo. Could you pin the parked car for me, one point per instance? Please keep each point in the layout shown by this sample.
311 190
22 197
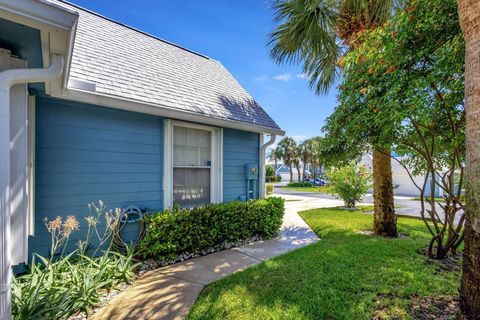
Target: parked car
317 181
320 182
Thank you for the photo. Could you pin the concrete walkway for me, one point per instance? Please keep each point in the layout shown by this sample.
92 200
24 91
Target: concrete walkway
404 205
169 292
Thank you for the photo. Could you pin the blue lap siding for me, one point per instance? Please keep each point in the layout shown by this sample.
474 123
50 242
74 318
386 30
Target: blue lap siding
239 148
87 153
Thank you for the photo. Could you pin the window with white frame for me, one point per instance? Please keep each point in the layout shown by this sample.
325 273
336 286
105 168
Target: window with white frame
192 166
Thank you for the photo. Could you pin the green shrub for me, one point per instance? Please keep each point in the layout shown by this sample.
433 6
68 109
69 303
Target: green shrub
269 170
279 178
349 183
300 184
176 231
269 189
64 284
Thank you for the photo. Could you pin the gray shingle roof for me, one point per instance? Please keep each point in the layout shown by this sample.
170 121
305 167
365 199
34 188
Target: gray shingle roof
126 63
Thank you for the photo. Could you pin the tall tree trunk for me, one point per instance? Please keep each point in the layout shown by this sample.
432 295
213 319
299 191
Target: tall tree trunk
303 171
291 173
314 168
276 168
469 12
298 171
385 221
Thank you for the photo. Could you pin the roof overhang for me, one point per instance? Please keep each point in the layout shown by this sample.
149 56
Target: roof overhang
162 111
39 12
57 26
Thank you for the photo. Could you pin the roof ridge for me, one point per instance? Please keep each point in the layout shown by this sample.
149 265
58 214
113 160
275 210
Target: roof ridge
133 28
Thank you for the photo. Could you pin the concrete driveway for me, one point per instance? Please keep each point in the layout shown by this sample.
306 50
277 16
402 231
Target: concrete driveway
404 205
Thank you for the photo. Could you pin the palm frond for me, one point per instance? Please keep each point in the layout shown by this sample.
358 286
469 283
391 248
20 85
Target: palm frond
306 35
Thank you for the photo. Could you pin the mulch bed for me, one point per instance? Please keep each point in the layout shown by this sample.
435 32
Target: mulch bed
449 263
434 308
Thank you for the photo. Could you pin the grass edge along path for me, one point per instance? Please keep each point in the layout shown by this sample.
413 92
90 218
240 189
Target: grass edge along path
346 275
319 189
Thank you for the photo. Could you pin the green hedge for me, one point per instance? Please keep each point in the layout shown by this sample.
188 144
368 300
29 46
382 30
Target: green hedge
300 184
173 232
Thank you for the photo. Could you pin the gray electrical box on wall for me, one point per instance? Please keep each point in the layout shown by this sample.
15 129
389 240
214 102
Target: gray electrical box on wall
251 175
251 171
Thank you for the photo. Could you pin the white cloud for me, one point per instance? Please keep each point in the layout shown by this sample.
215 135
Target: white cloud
261 78
299 138
302 76
285 77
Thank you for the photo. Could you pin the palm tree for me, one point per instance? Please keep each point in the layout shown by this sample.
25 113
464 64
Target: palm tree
274 155
297 161
306 153
469 13
316 154
287 148
306 33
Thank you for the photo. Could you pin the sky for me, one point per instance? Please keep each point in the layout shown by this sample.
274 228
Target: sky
234 32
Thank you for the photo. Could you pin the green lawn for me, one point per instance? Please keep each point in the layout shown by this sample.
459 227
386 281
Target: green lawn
322 189
428 199
346 275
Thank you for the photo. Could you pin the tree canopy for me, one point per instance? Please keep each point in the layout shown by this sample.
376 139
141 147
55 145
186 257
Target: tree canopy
403 87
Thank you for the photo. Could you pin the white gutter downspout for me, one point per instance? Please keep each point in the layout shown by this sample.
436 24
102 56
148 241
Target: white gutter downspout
261 174
9 78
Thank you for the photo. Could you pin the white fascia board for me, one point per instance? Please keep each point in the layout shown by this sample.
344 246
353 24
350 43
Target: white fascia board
158 110
68 57
42 11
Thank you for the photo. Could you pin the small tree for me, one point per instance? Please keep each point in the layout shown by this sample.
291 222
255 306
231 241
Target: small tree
269 173
349 183
407 78
274 155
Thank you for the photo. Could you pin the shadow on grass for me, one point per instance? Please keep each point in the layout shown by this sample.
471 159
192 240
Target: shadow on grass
346 275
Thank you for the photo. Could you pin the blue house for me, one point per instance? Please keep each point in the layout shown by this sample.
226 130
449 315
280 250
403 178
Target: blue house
93 109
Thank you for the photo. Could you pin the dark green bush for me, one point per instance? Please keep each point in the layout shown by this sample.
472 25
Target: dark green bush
300 184
172 232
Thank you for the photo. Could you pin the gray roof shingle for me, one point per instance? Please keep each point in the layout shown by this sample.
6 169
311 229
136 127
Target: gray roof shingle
127 63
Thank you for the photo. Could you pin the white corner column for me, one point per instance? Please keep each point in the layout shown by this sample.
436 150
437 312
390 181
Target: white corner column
8 78
5 273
